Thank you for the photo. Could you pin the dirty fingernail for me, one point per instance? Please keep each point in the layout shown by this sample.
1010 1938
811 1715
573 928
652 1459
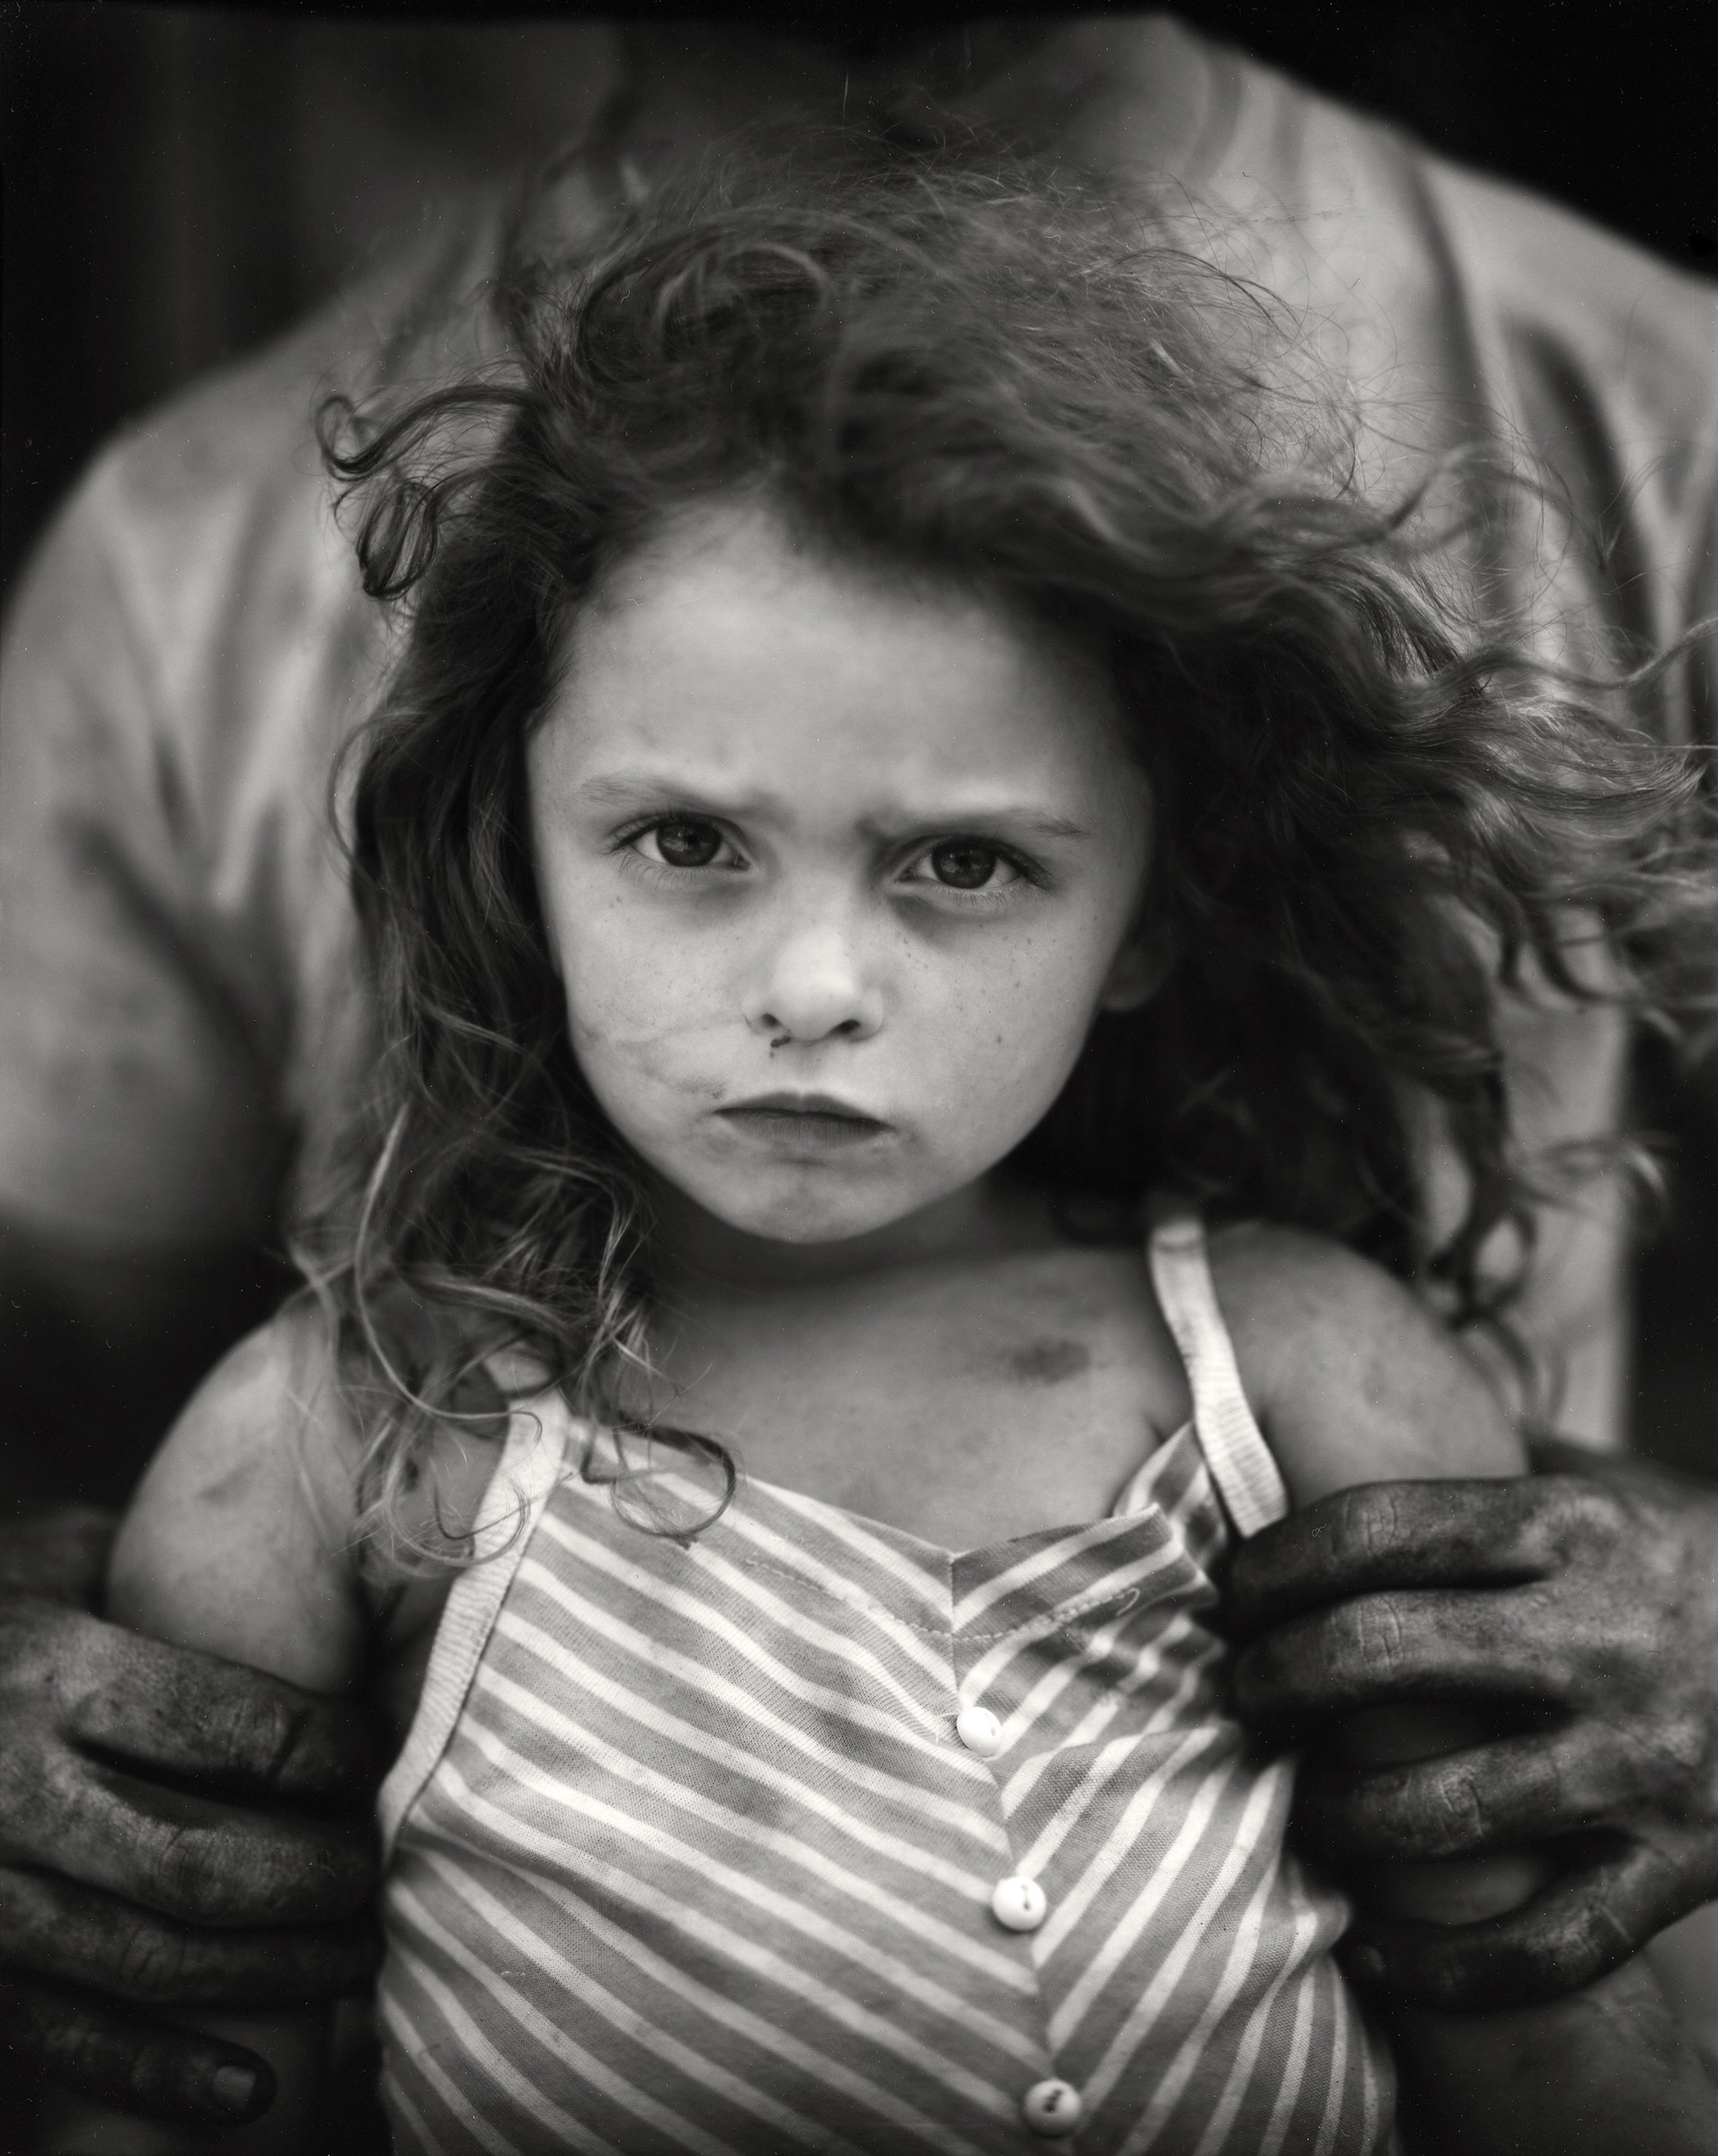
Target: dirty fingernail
234 2089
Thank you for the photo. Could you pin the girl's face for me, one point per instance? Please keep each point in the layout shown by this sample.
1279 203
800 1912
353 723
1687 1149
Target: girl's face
837 872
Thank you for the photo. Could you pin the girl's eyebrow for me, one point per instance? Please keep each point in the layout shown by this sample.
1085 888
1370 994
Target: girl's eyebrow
982 816
625 789
633 788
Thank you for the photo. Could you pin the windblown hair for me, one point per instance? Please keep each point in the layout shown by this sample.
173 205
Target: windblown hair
970 370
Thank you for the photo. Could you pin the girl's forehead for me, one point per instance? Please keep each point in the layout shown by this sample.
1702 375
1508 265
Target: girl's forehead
729 641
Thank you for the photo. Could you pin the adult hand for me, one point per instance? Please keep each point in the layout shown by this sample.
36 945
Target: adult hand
1580 1604
175 1832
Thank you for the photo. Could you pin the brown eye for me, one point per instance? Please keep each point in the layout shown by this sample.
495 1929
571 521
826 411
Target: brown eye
687 845
963 866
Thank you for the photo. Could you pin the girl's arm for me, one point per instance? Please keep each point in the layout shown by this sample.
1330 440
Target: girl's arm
237 1543
1353 1381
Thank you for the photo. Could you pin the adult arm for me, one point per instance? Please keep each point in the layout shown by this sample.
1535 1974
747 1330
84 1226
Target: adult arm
1582 1605
237 1544
142 1144
170 1828
126 1897
1351 1378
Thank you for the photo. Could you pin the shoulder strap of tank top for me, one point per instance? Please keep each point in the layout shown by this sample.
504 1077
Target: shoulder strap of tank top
1241 1466
532 1463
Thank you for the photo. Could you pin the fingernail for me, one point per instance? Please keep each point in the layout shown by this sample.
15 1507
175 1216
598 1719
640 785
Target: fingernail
1365 1965
234 2089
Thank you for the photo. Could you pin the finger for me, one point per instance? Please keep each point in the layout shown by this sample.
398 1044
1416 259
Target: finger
1487 1797
1389 1535
133 2065
54 1929
1581 1927
186 1857
1382 1649
194 1715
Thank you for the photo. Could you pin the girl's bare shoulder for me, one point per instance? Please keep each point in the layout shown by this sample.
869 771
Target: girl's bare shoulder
1352 1377
239 1538
243 1538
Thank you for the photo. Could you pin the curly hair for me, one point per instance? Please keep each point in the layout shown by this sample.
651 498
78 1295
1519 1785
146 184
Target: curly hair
995 374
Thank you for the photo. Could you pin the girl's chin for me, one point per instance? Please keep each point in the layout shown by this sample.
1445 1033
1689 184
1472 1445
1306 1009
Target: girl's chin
798 1217
804 1227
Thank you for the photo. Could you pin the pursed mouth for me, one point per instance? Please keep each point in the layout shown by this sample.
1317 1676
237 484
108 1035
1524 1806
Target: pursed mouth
814 1119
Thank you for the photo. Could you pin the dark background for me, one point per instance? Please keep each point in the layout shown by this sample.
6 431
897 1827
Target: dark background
179 182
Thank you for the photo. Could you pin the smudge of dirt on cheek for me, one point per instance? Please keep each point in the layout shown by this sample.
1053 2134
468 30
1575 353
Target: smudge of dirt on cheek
1049 1362
657 1057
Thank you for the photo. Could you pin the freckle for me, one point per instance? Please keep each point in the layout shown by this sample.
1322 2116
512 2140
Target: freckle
1049 1362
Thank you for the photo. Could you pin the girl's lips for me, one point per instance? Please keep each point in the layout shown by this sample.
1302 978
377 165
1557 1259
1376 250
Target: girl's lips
818 1120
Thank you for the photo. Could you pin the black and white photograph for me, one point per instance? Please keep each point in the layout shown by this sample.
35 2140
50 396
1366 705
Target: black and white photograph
858 1078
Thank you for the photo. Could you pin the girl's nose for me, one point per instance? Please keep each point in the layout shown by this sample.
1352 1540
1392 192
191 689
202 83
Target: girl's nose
813 987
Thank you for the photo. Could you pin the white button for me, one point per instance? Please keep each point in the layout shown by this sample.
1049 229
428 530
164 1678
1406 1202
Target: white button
1021 1905
1051 2109
980 1731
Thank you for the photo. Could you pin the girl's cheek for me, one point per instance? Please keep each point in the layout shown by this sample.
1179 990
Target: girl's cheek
638 1020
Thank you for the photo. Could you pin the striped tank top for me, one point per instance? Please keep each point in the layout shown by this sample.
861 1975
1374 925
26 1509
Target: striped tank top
807 1834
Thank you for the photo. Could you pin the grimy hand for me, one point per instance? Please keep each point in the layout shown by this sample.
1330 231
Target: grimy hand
175 1831
1580 1606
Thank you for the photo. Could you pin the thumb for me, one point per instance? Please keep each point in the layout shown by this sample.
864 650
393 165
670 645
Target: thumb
1574 1931
71 2040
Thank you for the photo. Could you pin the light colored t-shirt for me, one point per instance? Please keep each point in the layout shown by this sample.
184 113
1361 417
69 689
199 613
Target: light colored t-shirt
185 658
178 1015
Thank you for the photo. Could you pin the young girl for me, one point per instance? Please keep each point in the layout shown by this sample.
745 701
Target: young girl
928 867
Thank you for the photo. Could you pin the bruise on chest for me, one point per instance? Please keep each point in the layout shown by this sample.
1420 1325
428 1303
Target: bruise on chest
1048 1362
